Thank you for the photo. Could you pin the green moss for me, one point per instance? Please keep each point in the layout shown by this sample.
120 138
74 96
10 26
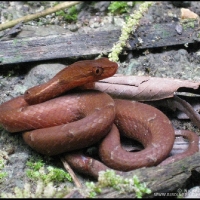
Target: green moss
71 14
35 166
188 23
118 7
184 168
38 171
7 15
110 179
2 174
44 182
3 160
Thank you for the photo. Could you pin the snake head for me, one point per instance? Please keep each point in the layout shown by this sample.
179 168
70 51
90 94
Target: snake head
104 68
76 74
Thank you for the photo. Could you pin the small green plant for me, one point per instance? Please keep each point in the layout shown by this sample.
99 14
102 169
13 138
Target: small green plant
35 166
2 174
43 184
118 7
37 171
71 14
188 23
109 178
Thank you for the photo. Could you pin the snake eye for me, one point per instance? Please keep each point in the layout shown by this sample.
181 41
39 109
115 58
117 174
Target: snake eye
97 70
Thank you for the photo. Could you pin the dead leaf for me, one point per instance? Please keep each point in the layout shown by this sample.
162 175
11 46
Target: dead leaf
188 14
144 88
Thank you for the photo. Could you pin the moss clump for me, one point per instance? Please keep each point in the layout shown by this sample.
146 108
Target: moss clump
109 178
189 23
2 174
118 7
3 160
45 182
70 16
38 171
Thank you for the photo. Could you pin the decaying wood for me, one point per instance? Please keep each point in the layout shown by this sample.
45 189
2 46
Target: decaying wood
163 35
94 43
56 46
165 181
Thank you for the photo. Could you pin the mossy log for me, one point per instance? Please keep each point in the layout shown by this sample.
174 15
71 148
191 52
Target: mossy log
164 181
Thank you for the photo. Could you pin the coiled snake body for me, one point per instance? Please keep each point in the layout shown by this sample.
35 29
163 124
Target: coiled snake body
79 119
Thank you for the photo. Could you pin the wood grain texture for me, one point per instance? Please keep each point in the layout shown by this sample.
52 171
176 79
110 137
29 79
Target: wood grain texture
36 48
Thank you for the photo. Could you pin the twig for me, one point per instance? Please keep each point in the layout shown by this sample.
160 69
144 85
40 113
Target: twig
37 15
185 107
71 172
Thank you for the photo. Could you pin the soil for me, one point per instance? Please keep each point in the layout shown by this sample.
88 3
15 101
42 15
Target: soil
181 62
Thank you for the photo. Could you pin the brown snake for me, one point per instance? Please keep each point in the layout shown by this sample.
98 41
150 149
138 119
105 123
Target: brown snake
79 119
